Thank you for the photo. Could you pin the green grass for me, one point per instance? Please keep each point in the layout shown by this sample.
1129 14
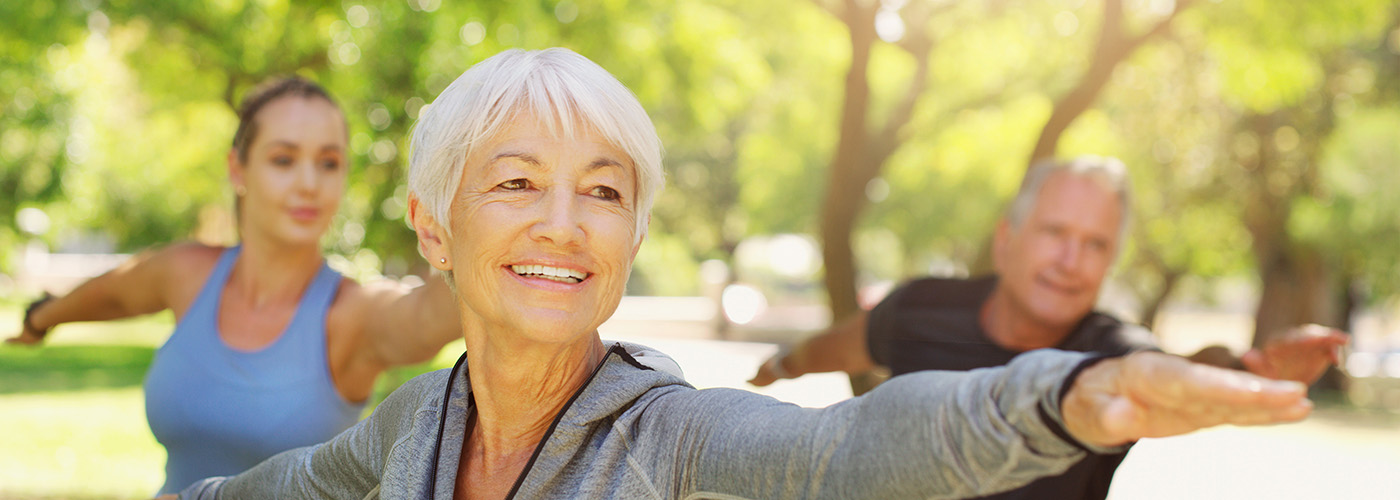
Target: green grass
73 416
61 368
78 444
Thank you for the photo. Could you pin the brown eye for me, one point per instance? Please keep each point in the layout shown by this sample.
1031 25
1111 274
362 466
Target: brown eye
606 193
514 184
330 164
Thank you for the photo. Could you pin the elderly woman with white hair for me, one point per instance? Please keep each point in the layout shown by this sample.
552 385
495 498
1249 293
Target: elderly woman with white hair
531 180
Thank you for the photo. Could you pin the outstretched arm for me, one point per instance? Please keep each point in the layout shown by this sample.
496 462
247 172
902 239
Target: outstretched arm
839 348
956 434
1301 355
134 288
406 325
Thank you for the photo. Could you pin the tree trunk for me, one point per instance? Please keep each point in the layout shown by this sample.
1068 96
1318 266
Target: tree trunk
861 153
842 201
1113 47
1159 299
1296 289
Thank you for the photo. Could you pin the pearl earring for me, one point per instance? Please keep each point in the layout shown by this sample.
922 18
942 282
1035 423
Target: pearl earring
443 260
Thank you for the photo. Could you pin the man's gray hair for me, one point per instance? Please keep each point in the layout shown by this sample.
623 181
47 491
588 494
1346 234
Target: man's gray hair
557 86
1110 170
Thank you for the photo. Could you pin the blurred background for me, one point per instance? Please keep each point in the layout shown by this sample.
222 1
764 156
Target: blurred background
818 153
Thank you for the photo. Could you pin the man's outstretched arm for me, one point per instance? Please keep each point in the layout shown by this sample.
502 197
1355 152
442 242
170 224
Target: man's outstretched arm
840 348
1301 355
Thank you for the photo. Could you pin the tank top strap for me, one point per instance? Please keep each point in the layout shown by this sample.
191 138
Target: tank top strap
309 322
204 310
317 299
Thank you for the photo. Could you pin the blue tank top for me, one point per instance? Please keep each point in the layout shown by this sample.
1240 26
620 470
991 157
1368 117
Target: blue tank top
219 411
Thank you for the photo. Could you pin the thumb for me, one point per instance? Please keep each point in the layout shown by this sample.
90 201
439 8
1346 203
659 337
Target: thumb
1121 420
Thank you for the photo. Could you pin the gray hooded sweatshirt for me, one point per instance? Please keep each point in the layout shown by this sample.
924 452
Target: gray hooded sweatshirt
636 429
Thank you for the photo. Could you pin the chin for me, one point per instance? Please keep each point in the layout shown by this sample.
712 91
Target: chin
553 326
1062 314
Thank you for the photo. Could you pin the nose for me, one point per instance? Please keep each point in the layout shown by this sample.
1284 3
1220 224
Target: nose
559 219
307 176
1071 253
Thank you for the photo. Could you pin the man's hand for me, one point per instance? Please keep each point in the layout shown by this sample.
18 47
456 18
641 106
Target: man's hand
1151 394
766 373
1301 355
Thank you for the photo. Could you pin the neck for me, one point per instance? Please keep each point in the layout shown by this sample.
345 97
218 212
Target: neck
266 275
520 386
1012 328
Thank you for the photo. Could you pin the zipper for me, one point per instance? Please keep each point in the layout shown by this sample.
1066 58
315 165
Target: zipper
557 418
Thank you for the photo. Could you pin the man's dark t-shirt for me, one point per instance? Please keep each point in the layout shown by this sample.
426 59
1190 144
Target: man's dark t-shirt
932 324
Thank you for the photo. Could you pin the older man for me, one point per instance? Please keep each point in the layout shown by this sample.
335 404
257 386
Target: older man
1052 252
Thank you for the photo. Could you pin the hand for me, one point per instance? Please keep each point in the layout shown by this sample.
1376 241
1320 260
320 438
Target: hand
766 373
1301 355
1151 394
26 337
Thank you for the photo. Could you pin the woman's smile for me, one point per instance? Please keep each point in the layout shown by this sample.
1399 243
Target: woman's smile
555 274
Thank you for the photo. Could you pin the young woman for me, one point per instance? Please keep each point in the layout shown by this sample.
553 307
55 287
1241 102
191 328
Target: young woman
272 349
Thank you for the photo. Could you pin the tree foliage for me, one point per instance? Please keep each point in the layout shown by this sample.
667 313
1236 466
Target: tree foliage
899 126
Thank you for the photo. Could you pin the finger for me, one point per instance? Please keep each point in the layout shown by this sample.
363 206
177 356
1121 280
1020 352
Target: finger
1175 385
762 377
1255 362
1155 422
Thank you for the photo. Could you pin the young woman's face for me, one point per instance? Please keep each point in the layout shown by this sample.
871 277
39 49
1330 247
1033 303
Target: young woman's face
294 173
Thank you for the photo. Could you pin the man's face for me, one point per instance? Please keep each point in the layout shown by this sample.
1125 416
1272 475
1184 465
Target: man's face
1053 264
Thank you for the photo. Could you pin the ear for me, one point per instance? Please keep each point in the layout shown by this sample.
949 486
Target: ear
433 242
1000 241
645 229
235 169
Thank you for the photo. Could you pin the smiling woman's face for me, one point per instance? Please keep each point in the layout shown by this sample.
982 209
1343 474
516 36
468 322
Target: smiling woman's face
544 231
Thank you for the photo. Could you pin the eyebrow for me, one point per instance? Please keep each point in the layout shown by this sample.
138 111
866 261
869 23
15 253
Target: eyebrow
604 163
528 158
292 145
525 157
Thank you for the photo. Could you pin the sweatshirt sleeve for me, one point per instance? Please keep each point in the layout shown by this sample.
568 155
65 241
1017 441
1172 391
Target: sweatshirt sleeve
348 466
921 435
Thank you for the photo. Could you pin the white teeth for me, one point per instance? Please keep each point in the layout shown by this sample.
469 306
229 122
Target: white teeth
559 274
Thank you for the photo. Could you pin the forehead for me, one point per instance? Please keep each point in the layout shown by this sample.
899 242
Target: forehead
300 119
528 134
1086 201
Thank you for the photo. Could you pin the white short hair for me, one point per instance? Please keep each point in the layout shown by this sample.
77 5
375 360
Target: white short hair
1108 169
556 85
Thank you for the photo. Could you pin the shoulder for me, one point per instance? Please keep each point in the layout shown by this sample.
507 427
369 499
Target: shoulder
930 295
423 391
184 267
1102 332
354 298
185 257
428 385
941 293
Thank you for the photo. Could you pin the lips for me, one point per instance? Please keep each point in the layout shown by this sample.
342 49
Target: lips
305 214
1061 289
